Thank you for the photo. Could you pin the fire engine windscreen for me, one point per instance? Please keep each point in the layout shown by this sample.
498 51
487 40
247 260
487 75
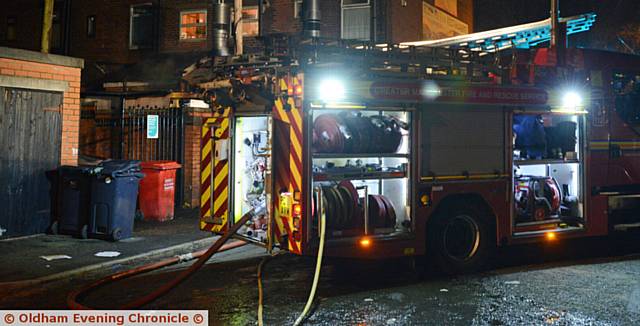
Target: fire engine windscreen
251 172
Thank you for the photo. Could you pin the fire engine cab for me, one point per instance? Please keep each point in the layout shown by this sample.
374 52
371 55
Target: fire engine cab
451 148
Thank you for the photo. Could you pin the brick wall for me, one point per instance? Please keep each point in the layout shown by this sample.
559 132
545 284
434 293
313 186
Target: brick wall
279 18
191 165
28 22
71 98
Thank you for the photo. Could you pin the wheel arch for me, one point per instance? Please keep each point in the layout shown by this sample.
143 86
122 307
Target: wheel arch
474 199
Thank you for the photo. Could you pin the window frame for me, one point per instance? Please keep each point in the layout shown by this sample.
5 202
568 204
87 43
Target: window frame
205 24
252 20
91 20
131 10
11 23
354 6
297 8
364 4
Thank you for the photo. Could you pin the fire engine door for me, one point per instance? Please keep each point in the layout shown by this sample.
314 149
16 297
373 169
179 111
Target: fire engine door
251 175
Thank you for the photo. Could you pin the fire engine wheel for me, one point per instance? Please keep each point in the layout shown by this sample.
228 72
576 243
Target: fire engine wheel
460 240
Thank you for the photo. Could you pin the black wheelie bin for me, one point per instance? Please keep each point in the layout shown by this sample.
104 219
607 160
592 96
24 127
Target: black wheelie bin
73 199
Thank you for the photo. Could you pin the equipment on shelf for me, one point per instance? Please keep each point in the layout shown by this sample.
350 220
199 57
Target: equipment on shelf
561 139
537 198
356 171
345 209
348 132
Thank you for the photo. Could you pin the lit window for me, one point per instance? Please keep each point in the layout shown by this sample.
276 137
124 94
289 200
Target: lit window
193 25
250 21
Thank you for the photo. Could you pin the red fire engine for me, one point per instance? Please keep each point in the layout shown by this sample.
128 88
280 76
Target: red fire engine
450 148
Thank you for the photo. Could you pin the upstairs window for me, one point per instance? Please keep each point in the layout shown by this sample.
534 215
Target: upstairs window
250 21
141 27
91 26
11 28
193 25
297 9
356 20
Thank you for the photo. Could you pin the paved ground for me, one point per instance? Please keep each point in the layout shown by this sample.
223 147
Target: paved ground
582 282
21 257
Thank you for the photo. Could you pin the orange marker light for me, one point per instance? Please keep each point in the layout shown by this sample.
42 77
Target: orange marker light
365 242
550 236
298 90
297 210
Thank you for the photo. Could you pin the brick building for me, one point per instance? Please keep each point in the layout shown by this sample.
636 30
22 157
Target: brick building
153 40
141 46
39 122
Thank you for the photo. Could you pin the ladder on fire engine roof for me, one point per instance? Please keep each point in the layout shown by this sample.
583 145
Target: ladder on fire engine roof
520 36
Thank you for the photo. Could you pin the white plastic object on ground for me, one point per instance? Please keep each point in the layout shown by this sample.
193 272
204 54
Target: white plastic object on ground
107 254
55 257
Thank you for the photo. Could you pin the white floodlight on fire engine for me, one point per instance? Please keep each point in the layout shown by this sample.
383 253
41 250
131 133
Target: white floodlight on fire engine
430 90
331 90
572 101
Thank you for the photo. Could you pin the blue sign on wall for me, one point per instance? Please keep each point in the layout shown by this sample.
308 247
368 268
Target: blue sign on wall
152 126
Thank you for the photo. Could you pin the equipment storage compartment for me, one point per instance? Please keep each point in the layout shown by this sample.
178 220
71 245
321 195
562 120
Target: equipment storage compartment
251 174
548 171
361 161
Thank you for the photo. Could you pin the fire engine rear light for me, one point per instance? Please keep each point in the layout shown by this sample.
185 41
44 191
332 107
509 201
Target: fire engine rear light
298 90
297 210
551 236
365 242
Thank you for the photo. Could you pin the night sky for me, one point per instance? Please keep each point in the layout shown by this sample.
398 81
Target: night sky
613 16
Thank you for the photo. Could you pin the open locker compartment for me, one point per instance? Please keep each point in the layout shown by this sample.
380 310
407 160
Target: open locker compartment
361 162
548 167
251 175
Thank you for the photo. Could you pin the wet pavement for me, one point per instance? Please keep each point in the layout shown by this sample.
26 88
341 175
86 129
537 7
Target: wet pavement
21 258
581 282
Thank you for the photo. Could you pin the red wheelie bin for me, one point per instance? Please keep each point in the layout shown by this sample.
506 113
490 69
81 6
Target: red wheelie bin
157 190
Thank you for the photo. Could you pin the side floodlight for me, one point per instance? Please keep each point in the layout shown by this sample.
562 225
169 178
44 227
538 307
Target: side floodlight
572 101
430 90
331 90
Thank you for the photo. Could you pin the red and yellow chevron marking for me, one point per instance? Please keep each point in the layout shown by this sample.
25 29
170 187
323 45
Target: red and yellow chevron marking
291 178
214 174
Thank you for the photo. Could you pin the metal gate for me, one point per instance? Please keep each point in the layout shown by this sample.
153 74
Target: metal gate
163 142
30 136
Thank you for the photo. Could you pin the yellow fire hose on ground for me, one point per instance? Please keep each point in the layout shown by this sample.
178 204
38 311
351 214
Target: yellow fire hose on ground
316 276
202 257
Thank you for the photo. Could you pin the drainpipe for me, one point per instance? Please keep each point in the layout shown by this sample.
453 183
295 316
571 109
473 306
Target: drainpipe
221 20
374 22
312 16
237 5
46 25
